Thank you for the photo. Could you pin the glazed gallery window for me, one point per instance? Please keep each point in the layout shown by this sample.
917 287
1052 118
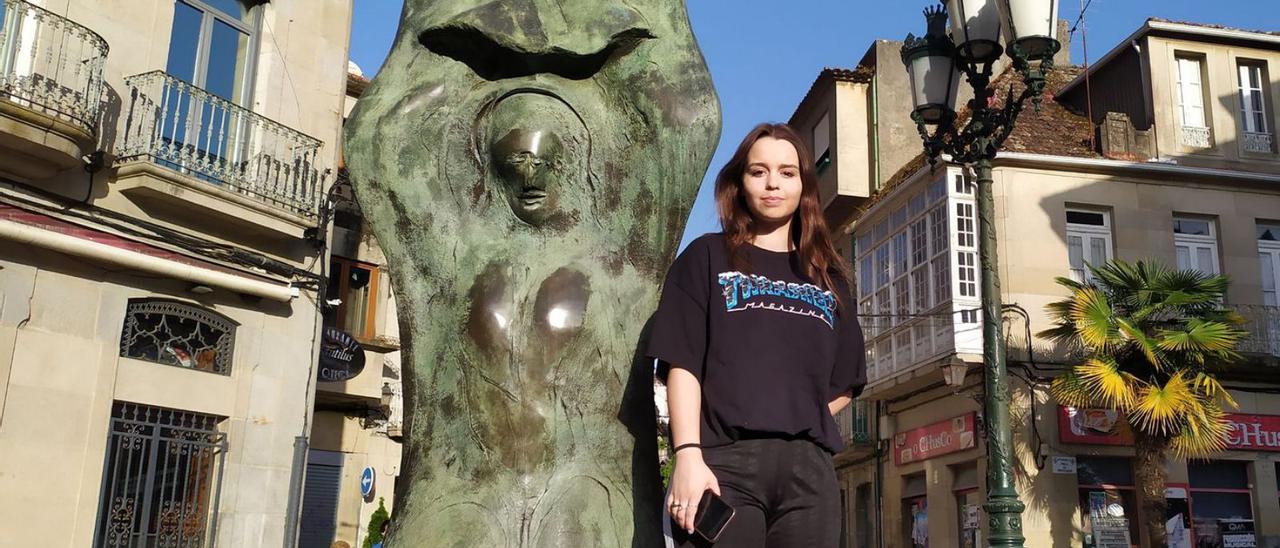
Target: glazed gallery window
1269 256
211 43
903 272
1195 242
1088 241
160 480
354 285
178 334
1108 501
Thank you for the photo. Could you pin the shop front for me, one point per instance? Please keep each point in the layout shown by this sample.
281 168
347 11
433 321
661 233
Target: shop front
1212 503
935 477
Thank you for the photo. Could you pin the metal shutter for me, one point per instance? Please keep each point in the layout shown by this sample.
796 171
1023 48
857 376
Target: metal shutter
320 499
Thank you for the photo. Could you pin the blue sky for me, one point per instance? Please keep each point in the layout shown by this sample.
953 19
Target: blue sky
764 54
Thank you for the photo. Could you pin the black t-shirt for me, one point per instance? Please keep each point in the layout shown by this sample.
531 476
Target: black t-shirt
769 346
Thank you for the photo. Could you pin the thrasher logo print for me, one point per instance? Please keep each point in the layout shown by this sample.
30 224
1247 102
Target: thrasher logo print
751 291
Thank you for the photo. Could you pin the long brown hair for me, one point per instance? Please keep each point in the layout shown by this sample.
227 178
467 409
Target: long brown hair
818 258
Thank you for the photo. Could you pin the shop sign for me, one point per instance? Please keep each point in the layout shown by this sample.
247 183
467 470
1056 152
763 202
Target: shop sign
1093 426
939 438
1237 534
341 357
1109 427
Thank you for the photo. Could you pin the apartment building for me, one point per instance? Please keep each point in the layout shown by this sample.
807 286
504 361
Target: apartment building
162 256
354 456
1163 150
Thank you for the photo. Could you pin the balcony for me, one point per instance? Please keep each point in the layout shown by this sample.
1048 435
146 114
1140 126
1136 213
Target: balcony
50 90
855 423
183 144
1257 142
1263 324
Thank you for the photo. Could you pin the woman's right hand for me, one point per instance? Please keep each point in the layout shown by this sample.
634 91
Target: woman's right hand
690 479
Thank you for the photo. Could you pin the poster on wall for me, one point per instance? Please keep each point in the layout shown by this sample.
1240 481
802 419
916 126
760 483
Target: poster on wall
920 524
1111 532
1237 534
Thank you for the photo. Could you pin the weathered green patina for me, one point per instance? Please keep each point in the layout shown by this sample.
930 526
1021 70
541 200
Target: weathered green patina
527 166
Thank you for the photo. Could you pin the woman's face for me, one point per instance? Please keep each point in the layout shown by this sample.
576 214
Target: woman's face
772 180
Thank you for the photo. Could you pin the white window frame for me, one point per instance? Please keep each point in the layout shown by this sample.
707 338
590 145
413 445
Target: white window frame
1088 234
1191 91
1248 115
896 334
1194 244
1269 255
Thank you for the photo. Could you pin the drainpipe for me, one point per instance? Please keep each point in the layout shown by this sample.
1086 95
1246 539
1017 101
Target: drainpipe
878 482
875 134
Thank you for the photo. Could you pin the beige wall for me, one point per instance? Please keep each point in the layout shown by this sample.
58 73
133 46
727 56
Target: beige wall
61 318
1222 107
299 81
65 318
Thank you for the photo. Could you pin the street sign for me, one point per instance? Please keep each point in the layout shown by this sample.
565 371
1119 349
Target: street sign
366 482
1064 465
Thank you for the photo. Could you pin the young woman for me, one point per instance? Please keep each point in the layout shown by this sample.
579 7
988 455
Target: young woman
759 347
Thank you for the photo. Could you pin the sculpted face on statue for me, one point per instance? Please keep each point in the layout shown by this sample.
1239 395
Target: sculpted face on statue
527 167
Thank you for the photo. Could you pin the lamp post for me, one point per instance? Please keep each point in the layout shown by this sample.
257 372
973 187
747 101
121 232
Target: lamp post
934 63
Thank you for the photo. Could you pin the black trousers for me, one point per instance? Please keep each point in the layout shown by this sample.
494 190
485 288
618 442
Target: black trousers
784 493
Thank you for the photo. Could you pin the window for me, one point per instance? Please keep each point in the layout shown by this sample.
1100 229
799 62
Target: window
915 511
1088 241
1219 492
1191 99
968 504
178 334
1253 106
355 286
159 484
1269 256
1108 502
1196 245
822 142
862 516
210 46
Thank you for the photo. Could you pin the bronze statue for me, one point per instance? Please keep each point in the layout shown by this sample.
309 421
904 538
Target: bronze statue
527 166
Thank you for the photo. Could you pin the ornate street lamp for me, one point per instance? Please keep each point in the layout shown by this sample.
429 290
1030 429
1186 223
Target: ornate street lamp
1030 30
931 67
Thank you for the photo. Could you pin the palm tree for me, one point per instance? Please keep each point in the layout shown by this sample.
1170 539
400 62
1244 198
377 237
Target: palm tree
1151 340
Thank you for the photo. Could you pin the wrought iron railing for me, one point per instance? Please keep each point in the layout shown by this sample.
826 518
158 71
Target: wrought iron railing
50 64
161 482
1257 142
1198 137
855 422
1263 324
193 131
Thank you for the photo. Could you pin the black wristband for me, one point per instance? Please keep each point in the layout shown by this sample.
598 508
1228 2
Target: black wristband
686 446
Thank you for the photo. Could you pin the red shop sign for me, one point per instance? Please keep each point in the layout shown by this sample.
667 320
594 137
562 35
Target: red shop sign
1108 427
939 438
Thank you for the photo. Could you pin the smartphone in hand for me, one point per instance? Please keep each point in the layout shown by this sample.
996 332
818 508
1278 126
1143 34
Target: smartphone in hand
712 516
